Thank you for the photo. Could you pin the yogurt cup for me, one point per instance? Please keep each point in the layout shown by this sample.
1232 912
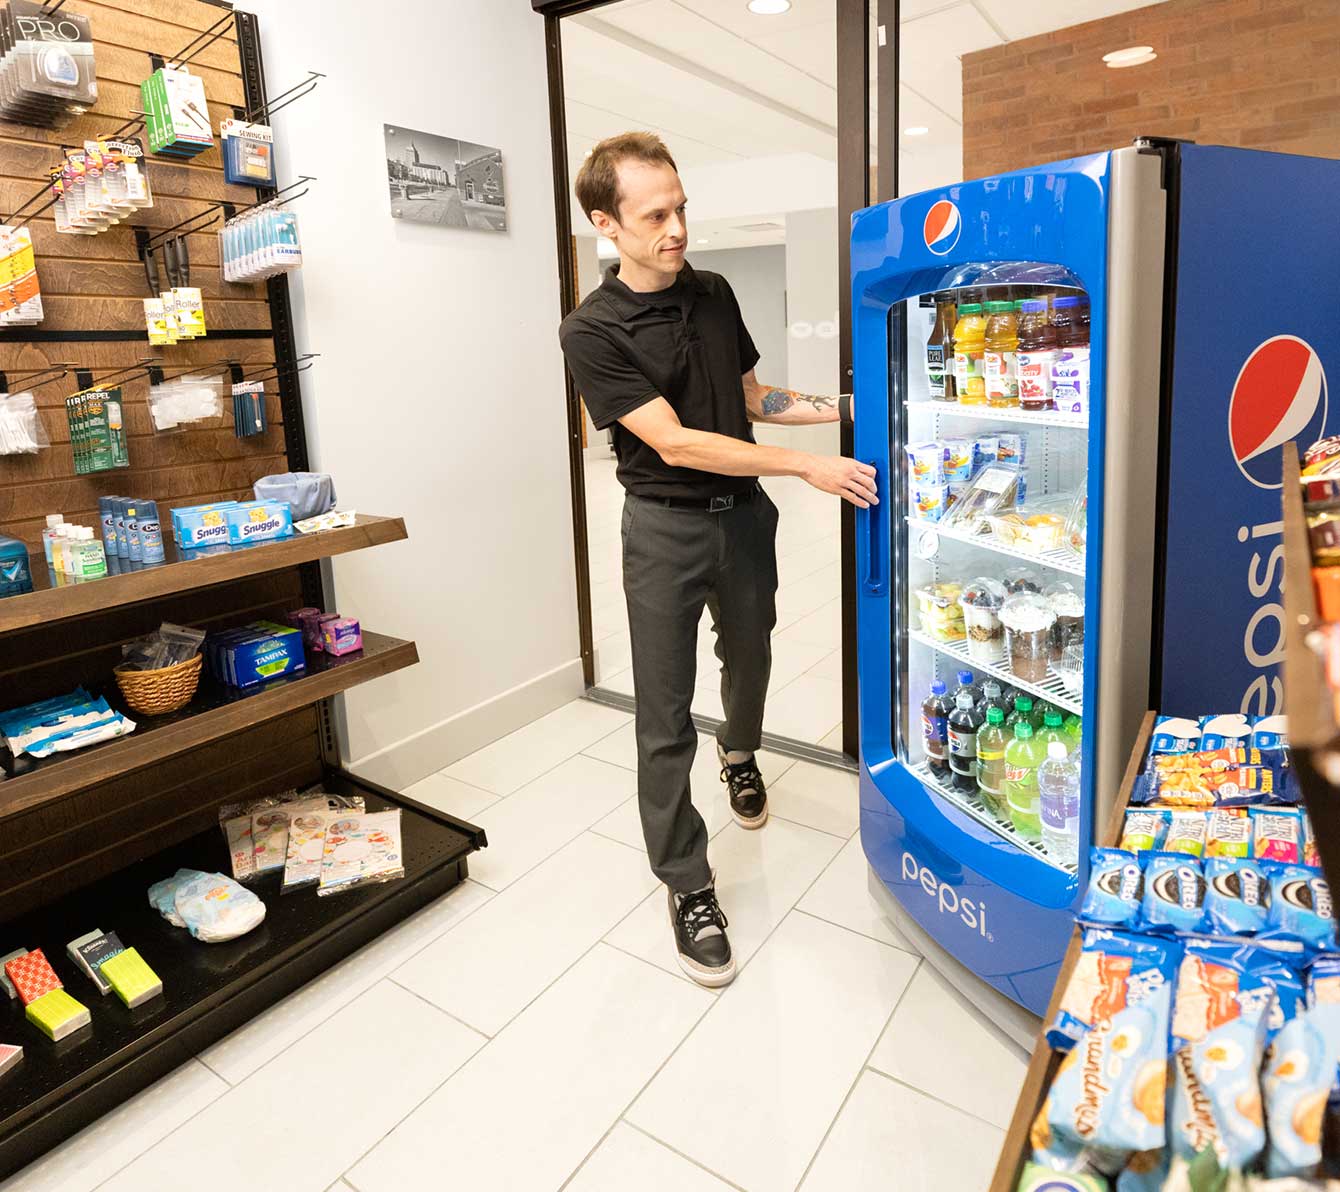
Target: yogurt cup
982 600
1028 619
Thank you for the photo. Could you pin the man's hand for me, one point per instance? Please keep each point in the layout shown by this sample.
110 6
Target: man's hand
847 478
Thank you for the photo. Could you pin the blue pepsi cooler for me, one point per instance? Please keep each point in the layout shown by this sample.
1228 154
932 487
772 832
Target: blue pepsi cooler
15 573
1143 500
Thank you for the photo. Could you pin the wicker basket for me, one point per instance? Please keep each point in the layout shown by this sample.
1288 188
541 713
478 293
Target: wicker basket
157 692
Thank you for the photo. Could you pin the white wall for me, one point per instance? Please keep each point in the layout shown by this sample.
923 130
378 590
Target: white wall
758 277
439 392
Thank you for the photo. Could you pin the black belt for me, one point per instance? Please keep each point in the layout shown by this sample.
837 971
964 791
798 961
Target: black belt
709 504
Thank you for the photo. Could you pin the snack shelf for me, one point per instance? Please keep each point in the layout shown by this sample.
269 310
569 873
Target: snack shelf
970 807
215 712
1052 689
53 600
1002 414
208 989
1060 559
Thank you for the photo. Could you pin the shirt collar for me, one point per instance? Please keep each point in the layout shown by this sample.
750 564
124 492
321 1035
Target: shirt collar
630 303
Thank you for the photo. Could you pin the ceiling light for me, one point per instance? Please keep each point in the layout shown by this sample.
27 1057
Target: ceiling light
916 130
703 241
1132 56
769 8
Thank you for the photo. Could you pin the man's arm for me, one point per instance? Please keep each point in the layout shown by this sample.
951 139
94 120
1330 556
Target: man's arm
657 425
786 407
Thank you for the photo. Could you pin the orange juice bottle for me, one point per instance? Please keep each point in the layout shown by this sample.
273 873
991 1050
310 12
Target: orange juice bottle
969 348
1001 342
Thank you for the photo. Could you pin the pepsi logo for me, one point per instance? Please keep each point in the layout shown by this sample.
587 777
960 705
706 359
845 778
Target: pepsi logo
1280 394
942 227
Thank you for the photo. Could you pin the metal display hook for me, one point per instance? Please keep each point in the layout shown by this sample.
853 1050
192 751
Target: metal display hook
205 40
102 378
60 369
271 104
296 367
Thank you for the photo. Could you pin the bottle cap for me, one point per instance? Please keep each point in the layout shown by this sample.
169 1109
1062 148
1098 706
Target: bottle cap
938 687
1023 703
1052 720
1057 751
999 308
54 519
1023 729
995 715
965 678
970 308
1032 306
964 699
1065 302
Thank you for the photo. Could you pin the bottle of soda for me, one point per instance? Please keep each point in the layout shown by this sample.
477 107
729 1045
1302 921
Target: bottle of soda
1023 713
1000 343
940 349
965 683
1070 369
1052 730
969 347
963 725
992 697
991 742
1022 757
935 731
1074 731
1058 803
1042 708
1035 355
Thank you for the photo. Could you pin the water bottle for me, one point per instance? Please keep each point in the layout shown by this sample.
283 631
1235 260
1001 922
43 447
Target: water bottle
1058 788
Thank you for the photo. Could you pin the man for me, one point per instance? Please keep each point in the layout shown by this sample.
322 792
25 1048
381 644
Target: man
660 353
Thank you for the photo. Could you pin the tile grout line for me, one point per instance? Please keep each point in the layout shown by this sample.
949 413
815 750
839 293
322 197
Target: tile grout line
454 1017
800 910
687 1158
865 1066
869 1067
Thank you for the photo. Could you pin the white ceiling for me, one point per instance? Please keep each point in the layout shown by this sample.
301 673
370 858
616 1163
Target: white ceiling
722 84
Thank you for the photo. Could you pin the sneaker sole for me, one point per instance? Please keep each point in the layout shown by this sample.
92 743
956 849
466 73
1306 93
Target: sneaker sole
750 825
707 977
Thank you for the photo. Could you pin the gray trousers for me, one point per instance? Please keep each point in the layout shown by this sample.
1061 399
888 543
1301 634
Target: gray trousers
675 562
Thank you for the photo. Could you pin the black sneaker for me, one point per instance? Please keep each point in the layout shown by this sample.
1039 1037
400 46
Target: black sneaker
700 937
748 795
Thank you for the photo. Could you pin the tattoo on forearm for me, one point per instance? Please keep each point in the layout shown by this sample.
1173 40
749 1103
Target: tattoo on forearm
778 401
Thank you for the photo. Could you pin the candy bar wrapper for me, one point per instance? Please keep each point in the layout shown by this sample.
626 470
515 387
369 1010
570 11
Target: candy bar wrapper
1109 1092
1299 1073
1186 832
1300 907
1237 893
1144 830
1229 833
1219 1027
1277 834
1174 894
1116 884
1311 854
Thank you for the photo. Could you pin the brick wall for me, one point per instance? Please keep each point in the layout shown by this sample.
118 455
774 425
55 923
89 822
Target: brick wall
1263 74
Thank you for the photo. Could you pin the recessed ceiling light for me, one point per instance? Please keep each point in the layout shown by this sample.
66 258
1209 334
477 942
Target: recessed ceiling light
1132 56
769 8
916 130
703 241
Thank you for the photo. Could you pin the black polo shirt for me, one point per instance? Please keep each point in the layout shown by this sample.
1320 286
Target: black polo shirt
687 344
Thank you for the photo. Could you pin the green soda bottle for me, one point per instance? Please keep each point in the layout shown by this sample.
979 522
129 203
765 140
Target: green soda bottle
1074 729
1023 711
1023 755
991 742
1052 730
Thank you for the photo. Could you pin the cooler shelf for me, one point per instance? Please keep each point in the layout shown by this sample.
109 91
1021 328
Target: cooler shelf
1052 689
970 807
1058 560
954 409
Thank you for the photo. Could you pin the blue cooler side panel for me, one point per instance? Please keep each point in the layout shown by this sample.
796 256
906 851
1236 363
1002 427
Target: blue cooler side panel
1000 910
1256 340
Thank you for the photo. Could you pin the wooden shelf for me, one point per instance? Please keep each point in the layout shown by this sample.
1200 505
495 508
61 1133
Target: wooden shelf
47 603
215 713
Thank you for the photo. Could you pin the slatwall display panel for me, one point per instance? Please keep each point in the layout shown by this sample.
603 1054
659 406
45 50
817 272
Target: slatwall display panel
66 845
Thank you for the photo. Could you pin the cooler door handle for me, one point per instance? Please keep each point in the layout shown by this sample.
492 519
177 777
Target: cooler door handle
876 580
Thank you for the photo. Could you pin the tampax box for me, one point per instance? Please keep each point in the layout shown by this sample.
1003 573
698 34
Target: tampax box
259 521
256 653
194 526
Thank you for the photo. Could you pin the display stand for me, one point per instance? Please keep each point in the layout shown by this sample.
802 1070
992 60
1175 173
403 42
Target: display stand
1045 1061
83 835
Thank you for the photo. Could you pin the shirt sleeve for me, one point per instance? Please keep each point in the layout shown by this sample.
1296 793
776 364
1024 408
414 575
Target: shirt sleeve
608 383
749 355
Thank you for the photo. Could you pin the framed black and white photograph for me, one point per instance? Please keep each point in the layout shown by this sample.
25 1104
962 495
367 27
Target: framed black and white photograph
444 180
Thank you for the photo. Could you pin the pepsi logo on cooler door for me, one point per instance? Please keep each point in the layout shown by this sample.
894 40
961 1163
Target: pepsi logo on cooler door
942 227
1279 394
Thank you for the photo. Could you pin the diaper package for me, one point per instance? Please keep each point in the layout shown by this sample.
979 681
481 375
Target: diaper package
163 895
215 908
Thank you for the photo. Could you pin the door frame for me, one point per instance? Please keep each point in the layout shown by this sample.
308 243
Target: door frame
854 192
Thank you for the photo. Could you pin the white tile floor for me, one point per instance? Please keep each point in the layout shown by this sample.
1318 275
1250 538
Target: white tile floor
531 1031
805 696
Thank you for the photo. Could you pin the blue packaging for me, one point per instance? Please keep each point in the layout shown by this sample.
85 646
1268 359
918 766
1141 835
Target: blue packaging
255 653
1174 896
133 530
1300 907
259 521
1115 888
149 530
1175 734
195 526
107 518
122 528
1237 895
1224 729
16 575
1270 732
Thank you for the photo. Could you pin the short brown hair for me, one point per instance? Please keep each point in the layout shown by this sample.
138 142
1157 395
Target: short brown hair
597 184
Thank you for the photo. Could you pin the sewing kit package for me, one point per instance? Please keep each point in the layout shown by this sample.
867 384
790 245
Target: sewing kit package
248 153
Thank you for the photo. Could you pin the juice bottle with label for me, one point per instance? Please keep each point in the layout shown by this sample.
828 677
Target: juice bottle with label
1000 343
1070 370
991 742
969 347
940 349
1036 355
1023 755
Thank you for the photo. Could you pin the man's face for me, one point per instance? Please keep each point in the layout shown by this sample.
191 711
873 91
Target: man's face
650 229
